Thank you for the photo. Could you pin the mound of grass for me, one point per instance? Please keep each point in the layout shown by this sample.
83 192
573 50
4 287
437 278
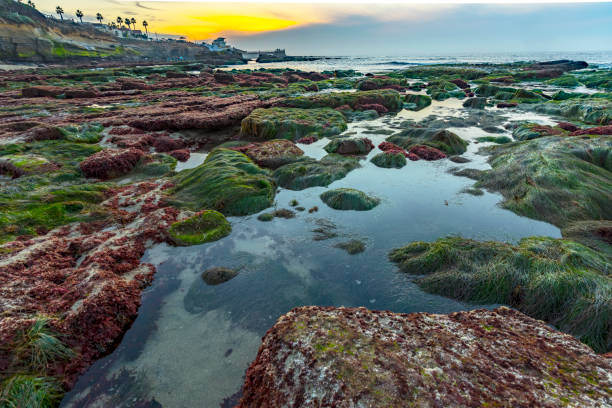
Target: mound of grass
555 179
349 199
596 235
352 247
308 172
205 226
227 181
443 140
292 123
29 391
565 81
559 281
39 346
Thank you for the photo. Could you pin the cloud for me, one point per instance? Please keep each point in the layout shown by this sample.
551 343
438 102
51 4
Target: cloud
144 7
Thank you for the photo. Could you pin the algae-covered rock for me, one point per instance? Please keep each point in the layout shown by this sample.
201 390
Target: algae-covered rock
292 123
280 213
390 159
352 247
349 199
88 133
16 165
559 281
218 274
274 153
475 103
205 226
358 146
416 102
441 139
442 89
308 172
565 81
227 181
111 163
555 179
528 131
388 98
354 357
495 139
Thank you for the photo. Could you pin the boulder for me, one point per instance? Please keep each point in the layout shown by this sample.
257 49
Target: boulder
42 91
441 139
427 152
274 153
292 123
358 146
308 172
475 103
390 159
349 199
218 274
354 357
227 181
205 226
417 102
110 163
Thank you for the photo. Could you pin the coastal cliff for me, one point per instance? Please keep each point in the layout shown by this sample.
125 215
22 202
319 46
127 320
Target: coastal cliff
26 35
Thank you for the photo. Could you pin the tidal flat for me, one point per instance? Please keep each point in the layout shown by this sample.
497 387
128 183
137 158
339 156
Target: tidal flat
157 221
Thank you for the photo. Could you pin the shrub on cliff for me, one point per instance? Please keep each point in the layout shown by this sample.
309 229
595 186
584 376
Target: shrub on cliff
559 281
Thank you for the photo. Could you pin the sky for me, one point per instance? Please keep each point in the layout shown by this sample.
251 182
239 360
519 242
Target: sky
366 28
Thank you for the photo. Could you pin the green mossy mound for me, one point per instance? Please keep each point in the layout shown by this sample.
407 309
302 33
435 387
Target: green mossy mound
308 172
436 72
497 92
441 90
565 81
559 281
352 247
227 181
495 139
529 131
444 140
88 133
349 199
292 123
389 160
475 103
359 146
417 102
368 84
205 226
555 179
388 98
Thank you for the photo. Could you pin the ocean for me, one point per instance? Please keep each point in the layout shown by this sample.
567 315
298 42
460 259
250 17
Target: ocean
367 64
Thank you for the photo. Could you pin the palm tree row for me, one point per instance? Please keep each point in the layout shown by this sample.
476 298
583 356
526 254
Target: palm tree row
130 22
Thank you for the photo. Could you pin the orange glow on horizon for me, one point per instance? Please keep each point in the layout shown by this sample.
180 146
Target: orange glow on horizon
205 27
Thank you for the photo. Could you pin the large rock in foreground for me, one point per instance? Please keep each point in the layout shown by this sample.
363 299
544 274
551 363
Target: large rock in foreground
353 357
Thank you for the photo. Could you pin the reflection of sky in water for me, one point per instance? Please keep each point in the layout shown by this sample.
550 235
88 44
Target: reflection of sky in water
191 342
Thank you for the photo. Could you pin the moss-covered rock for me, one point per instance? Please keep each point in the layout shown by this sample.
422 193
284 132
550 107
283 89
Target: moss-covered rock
292 123
528 131
475 103
388 98
349 199
441 90
495 139
596 234
441 139
390 159
227 181
87 133
308 172
552 178
274 153
416 102
559 281
565 81
218 274
352 247
357 146
205 226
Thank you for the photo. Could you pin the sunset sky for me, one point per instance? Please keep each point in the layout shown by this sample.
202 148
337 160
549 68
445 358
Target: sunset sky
361 28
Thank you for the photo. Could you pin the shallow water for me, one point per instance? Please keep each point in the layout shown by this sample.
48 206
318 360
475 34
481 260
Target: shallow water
192 343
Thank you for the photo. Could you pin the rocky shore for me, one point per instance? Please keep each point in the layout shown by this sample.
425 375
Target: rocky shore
89 181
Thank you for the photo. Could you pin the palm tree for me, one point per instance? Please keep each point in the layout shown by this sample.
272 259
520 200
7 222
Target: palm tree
119 21
145 25
99 17
79 14
60 11
128 22
133 23
31 4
